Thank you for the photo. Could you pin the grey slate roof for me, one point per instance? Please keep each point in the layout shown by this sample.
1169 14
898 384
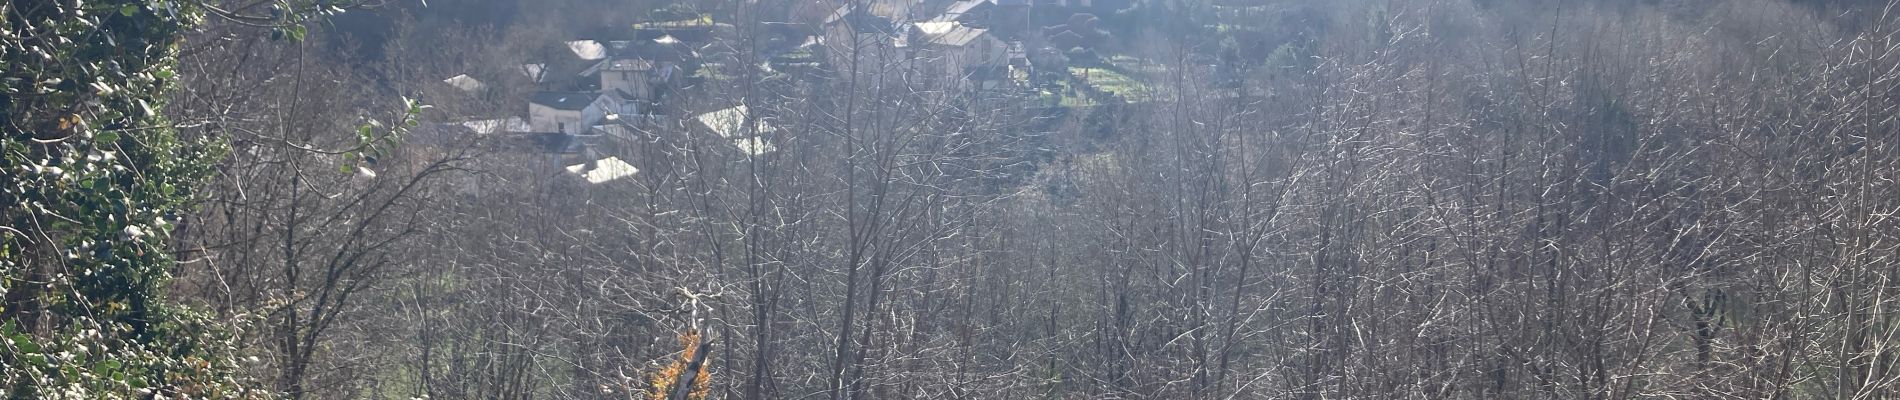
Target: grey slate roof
662 49
965 8
568 101
947 33
861 21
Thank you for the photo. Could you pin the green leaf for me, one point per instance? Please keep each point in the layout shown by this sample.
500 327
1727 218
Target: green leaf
129 9
25 344
106 137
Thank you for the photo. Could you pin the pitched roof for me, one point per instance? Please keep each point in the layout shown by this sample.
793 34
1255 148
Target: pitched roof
947 33
466 83
448 133
535 72
730 122
700 21
861 21
568 101
603 170
490 126
754 146
629 64
587 49
664 49
890 9
963 8
592 68
616 48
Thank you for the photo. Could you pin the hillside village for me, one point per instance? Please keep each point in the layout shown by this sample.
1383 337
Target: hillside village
949 199
598 93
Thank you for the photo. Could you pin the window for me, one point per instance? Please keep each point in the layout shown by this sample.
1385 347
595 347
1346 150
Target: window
560 126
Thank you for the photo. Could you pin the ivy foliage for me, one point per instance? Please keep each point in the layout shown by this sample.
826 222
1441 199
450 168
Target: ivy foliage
92 181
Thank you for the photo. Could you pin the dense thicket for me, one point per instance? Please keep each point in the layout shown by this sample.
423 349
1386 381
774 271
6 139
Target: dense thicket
1462 199
93 179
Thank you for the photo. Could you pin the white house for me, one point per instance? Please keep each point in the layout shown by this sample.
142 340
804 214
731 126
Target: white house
572 113
568 65
642 69
854 35
944 48
956 48
631 78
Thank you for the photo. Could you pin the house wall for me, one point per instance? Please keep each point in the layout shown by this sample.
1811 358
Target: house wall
987 50
955 59
547 119
992 51
594 113
635 83
838 45
893 9
575 122
876 49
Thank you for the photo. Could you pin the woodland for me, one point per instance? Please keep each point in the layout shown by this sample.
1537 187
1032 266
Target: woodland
1199 199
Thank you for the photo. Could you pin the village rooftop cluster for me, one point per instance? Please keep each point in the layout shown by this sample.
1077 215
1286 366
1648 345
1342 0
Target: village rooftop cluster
596 92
